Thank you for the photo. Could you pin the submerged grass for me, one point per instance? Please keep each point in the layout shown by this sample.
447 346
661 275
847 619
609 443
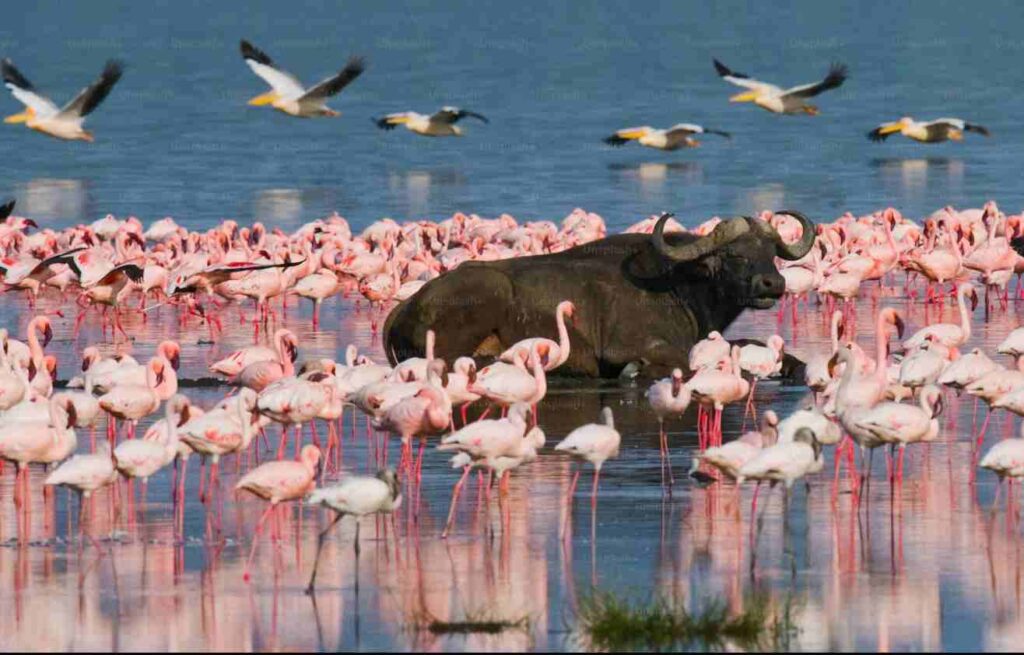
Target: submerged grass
609 622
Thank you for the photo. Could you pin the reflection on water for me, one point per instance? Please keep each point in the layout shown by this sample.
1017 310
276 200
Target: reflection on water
415 187
915 178
290 208
762 196
927 567
47 198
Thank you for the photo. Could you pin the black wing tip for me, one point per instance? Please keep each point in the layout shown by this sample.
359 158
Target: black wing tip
1018 245
356 64
876 135
615 140
249 51
837 73
383 123
721 68
13 76
6 209
479 117
727 135
113 69
980 129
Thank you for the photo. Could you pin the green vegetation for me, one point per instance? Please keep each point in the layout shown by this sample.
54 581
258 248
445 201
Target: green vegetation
472 623
608 622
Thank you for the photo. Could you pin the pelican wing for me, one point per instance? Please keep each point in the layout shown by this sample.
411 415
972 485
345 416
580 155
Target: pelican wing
281 81
451 115
25 93
334 84
91 96
835 78
739 79
959 124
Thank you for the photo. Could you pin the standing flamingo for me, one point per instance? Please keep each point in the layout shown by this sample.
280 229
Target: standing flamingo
668 397
278 482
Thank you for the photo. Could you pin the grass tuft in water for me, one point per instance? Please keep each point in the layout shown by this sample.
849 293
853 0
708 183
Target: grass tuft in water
614 623
472 623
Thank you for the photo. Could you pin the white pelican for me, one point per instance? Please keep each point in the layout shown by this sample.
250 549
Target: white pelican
42 115
678 136
440 123
781 101
287 93
936 131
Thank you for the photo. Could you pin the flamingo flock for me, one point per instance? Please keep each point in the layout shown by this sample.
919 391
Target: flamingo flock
890 397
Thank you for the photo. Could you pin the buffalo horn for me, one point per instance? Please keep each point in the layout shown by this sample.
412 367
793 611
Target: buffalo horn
725 232
791 251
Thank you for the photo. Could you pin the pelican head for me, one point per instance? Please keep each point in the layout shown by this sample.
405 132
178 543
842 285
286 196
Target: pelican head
896 126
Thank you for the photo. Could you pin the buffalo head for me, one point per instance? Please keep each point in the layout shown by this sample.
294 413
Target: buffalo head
737 258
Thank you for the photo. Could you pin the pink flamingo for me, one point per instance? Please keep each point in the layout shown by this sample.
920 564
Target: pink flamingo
715 388
558 351
284 341
260 374
595 443
278 482
668 397
131 402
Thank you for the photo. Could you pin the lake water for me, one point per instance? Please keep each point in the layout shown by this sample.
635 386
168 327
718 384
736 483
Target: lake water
929 567
176 138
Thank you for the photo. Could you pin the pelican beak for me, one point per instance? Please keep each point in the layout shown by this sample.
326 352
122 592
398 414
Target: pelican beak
890 128
267 98
23 117
630 134
746 96
398 120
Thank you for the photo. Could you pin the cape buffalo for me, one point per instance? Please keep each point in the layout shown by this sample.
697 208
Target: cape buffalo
641 300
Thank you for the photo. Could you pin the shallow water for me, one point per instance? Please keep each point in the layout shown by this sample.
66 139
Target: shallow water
176 138
929 569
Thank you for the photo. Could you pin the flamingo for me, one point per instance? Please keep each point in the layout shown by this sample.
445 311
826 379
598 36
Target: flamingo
948 334
85 474
260 374
899 424
284 342
508 384
132 402
228 428
784 462
355 496
715 388
558 352
730 458
668 397
761 362
708 352
45 439
595 443
1006 460
278 482
141 458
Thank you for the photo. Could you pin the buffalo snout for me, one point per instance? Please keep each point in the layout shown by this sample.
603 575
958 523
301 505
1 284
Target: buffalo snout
768 285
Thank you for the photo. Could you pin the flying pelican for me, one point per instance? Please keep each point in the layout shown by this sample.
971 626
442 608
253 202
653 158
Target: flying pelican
440 123
43 116
676 137
936 131
781 101
288 95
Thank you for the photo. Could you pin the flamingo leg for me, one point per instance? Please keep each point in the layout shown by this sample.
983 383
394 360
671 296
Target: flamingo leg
256 540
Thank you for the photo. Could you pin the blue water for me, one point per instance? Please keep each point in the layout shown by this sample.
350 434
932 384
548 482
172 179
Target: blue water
176 137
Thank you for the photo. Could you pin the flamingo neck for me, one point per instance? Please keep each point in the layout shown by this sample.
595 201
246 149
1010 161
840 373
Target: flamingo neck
34 347
965 318
563 336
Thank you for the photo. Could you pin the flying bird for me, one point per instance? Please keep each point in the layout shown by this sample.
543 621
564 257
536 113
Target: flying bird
288 95
936 131
777 100
42 115
440 123
678 136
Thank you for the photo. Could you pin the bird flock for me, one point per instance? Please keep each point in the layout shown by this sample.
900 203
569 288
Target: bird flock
288 95
858 400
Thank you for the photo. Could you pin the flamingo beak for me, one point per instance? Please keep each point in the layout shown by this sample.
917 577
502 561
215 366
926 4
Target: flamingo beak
832 363
47 335
175 359
900 326
974 300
